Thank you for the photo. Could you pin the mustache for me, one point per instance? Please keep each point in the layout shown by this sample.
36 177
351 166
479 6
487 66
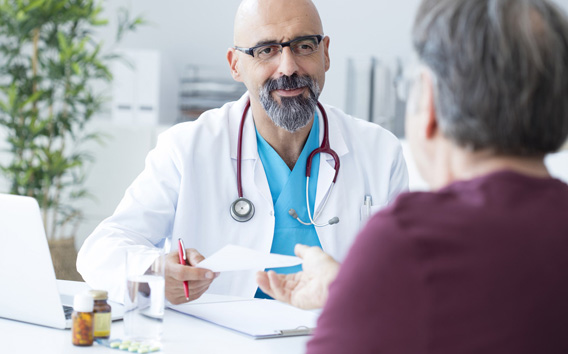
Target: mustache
290 83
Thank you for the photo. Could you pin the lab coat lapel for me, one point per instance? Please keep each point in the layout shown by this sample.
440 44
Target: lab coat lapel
251 165
261 181
325 177
249 150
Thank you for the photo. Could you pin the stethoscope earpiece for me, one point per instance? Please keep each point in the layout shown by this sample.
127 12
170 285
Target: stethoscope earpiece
242 210
331 221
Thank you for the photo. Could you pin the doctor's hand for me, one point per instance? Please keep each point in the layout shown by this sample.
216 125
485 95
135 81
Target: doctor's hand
307 289
198 279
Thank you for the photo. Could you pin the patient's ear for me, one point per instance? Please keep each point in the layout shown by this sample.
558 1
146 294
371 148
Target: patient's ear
429 105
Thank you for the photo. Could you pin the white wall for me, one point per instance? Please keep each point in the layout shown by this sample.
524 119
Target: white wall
184 31
199 32
362 28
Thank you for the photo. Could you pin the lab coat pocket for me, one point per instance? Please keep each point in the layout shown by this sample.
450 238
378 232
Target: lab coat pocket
367 212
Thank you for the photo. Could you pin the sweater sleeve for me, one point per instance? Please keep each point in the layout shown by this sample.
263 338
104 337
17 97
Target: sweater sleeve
374 305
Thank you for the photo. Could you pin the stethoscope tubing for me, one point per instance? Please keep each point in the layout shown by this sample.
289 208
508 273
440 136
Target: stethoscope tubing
240 149
323 148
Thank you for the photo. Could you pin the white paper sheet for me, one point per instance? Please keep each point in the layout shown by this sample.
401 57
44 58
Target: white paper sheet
232 257
258 318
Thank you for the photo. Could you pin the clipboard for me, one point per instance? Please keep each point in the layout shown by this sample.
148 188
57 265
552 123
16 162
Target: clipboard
257 318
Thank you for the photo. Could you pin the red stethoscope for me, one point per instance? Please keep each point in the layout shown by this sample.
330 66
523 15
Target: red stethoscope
242 209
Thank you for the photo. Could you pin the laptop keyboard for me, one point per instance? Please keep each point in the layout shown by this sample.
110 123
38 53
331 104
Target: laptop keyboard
68 311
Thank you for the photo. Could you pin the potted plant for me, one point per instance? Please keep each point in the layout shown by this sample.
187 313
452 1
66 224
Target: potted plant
49 61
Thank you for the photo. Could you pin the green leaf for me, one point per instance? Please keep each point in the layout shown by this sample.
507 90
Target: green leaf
33 98
76 68
20 15
33 5
63 45
99 22
12 95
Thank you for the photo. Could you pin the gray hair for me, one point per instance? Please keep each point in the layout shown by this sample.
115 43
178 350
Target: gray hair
500 72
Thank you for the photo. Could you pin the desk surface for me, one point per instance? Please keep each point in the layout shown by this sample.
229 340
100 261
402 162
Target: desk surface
182 333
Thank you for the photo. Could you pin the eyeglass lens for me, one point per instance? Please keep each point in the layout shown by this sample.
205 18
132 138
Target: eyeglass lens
300 46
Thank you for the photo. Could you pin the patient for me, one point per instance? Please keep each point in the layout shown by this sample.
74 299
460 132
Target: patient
479 265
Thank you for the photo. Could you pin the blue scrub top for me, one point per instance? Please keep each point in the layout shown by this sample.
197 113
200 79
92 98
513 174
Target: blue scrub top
288 189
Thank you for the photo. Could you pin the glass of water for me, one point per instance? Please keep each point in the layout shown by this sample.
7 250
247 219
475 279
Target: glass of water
145 295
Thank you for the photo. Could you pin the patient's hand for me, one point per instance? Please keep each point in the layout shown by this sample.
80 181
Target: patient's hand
307 289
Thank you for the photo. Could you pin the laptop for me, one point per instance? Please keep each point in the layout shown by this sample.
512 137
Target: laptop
28 288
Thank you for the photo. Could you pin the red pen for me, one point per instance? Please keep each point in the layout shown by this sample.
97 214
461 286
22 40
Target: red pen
183 261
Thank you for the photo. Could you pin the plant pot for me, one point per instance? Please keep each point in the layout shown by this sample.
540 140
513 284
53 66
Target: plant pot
64 257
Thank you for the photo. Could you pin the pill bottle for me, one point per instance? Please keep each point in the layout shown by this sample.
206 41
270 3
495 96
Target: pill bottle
102 313
83 319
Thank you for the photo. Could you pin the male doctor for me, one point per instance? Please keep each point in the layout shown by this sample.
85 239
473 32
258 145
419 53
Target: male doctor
212 182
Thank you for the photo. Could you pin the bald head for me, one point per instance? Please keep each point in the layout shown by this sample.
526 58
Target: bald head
300 76
256 19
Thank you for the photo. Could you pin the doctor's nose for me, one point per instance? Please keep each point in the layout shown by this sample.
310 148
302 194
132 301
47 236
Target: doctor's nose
287 65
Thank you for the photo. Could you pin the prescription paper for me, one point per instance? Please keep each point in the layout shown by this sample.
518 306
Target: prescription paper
233 258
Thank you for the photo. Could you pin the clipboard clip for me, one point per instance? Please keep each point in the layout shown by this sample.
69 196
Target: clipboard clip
299 331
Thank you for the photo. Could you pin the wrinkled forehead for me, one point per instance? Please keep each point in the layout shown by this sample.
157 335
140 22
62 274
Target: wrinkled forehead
261 21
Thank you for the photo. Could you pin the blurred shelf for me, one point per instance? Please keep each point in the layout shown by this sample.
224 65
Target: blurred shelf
202 89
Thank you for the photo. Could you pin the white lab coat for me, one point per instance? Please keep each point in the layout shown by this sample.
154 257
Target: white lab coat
189 183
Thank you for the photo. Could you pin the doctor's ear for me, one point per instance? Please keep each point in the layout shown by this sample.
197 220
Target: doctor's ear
233 59
326 52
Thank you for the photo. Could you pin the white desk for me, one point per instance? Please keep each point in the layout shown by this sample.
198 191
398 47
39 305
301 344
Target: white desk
182 334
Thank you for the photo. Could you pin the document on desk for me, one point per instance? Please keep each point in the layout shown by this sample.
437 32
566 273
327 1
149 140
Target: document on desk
258 318
232 258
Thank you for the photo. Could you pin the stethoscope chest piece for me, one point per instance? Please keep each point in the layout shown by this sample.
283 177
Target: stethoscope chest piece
242 210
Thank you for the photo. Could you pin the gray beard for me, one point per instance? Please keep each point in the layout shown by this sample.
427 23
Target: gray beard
292 113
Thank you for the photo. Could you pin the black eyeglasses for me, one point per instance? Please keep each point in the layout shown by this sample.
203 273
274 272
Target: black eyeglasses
300 46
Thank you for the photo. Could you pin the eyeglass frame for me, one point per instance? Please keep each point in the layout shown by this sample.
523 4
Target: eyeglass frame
250 51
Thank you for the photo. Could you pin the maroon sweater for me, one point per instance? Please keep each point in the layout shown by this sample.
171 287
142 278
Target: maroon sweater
480 266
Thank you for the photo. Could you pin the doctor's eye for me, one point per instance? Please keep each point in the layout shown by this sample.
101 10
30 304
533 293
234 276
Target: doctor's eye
305 47
266 51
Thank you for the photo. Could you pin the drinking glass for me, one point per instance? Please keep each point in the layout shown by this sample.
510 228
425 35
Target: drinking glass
145 295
